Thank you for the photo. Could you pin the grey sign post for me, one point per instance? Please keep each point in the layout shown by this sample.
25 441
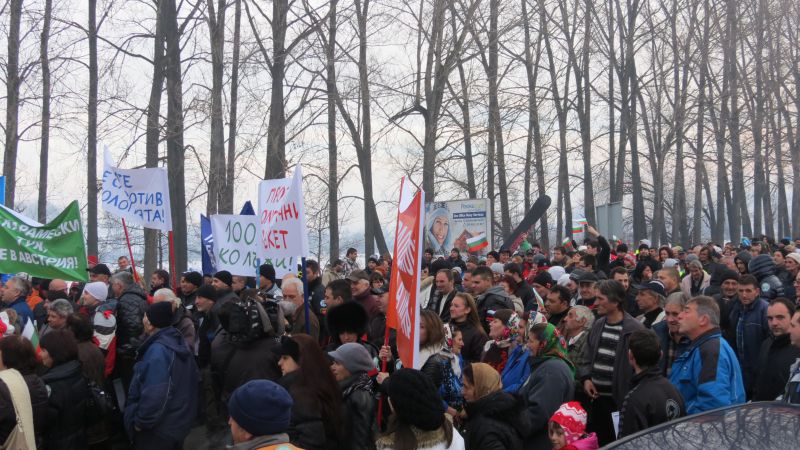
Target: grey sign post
609 219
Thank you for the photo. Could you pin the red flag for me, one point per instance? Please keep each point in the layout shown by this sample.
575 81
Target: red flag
403 312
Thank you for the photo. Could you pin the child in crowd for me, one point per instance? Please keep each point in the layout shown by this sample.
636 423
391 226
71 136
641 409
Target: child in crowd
567 429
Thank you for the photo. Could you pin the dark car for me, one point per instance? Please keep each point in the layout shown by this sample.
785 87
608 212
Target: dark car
752 426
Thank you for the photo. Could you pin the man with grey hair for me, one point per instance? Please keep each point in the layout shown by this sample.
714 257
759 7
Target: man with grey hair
576 325
673 343
293 298
707 374
650 298
57 314
131 306
15 297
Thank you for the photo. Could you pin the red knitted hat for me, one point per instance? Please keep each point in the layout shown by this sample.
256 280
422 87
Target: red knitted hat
572 418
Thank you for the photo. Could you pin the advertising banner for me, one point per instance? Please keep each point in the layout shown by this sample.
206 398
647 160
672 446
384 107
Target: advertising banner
462 224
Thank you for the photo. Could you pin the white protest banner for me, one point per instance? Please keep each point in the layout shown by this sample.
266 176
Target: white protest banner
236 243
283 236
140 196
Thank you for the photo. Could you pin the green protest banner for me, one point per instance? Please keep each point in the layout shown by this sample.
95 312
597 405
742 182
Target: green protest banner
55 250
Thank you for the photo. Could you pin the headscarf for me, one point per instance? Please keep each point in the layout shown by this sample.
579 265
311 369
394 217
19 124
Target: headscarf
442 248
485 379
510 321
552 345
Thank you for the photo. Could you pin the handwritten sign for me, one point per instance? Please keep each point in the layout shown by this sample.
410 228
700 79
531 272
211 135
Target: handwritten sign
235 243
282 219
140 196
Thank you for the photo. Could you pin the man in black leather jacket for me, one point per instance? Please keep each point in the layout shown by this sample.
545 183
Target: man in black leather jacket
131 306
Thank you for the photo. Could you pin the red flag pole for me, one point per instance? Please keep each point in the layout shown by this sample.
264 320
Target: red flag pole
130 252
172 262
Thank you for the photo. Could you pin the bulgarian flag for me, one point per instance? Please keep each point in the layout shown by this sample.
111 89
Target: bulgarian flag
29 332
567 242
577 228
477 242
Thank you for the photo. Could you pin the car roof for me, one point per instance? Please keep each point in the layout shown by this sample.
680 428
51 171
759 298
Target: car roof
751 426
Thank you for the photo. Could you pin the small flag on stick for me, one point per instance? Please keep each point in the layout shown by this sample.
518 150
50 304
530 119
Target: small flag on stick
477 242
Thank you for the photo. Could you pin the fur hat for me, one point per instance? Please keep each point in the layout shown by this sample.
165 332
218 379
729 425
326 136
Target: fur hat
349 316
572 419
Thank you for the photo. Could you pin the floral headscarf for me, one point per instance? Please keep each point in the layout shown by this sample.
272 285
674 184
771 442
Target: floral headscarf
553 345
510 321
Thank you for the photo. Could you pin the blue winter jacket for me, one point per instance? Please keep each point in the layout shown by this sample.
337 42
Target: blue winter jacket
20 306
162 399
751 328
708 374
516 370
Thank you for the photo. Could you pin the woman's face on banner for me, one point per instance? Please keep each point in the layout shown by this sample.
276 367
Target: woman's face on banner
439 229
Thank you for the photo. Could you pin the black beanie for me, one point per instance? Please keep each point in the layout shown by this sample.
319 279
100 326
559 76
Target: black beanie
207 291
160 314
225 277
415 400
289 347
193 277
267 271
543 278
728 274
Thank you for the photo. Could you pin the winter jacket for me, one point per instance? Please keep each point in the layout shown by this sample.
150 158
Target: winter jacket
603 255
652 400
725 306
550 385
24 313
763 268
131 306
745 257
426 440
316 295
496 422
69 394
686 284
39 404
162 399
664 338
791 393
235 363
708 375
623 372
329 275
369 302
187 300
441 305
307 426
751 328
589 442
525 293
474 341
360 410
439 368
576 352
493 299
775 358
517 369
92 362
185 325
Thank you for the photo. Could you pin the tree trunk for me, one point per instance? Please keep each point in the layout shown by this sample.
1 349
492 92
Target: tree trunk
45 143
333 175
472 190
276 133
91 144
612 163
153 132
699 165
216 168
740 218
175 149
230 174
494 117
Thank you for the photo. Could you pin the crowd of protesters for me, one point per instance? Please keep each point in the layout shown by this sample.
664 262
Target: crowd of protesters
572 347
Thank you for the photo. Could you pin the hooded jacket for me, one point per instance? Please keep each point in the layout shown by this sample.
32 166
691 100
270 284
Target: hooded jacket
750 327
745 257
493 299
162 399
708 375
550 385
497 421
763 268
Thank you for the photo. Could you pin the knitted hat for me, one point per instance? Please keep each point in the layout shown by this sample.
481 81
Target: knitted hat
572 418
193 277
497 268
225 277
98 290
267 271
414 399
261 407
354 357
160 314
728 274
207 291
670 262
556 272
347 317
794 256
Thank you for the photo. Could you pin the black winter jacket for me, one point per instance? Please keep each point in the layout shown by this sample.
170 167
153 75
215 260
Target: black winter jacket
473 341
65 428
360 410
652 400
775 358
307 428
550 385
131 306
493 299
8 418
496 422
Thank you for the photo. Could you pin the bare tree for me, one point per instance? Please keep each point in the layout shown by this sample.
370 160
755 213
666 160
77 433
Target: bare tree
44 153
12 101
